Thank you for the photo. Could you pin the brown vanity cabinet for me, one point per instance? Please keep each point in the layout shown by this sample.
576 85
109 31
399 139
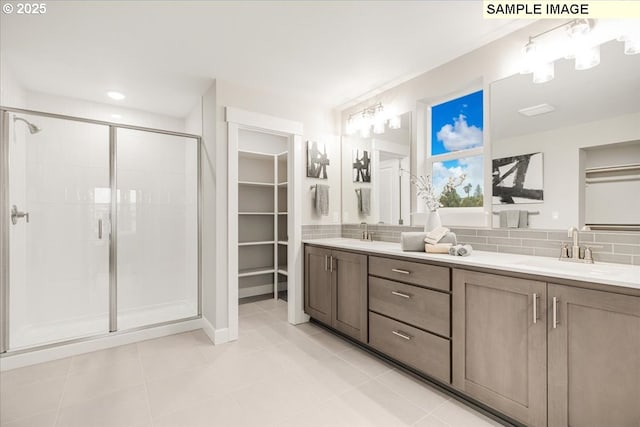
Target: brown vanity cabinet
541 353
574 361
500 343
410 314
336 290
594 358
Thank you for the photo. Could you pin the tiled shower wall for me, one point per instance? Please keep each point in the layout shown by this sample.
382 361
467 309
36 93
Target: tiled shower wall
618 247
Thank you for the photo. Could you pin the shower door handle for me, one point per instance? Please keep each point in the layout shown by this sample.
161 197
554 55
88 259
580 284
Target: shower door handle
16 214
100 229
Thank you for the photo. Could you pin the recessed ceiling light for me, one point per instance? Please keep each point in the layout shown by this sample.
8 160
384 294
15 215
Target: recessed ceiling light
115 95
536 110
116 116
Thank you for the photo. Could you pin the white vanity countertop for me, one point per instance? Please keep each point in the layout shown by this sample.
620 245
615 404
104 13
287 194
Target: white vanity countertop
627 276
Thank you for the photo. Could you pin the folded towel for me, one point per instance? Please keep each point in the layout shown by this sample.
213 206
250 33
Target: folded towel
364 200
440 248
322 199
465 250
449 238
412 241
460 250
435 235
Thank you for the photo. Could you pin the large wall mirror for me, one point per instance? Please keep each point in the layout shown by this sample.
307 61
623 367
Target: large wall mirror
586 127
375 176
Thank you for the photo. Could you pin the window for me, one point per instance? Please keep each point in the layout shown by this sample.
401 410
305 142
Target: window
455 155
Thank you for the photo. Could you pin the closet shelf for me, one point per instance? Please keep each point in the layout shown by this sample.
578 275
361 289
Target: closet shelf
282 271
255 271
283 184
282 213
257 243
256 184
283 242
255 213
254 154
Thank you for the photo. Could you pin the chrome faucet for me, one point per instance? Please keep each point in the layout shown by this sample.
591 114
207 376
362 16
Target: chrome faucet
366 234
575 249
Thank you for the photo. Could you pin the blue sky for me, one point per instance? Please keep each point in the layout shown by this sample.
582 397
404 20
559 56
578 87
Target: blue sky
457 124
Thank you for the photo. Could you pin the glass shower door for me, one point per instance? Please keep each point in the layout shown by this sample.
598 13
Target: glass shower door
59 196
157 228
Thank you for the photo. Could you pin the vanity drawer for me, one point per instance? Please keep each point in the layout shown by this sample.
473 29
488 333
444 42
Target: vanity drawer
421 350
431 276
424 308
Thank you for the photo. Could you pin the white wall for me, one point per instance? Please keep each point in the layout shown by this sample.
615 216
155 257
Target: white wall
193 121
562 176
12 94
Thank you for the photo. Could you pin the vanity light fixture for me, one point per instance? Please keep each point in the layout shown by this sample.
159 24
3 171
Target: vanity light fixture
370 119
578 39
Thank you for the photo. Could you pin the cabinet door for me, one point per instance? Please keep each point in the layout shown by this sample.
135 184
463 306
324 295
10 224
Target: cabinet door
350 294
317 283
499 349
594 358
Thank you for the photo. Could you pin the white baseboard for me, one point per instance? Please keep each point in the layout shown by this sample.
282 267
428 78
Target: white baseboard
221 336
13 361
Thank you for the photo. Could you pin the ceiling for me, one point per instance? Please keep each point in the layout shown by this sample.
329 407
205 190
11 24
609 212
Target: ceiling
163 54
608 90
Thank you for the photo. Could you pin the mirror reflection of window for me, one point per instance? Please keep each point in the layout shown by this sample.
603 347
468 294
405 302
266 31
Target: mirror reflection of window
456 151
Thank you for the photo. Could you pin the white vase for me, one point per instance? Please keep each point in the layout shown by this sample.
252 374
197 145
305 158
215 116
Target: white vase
433 221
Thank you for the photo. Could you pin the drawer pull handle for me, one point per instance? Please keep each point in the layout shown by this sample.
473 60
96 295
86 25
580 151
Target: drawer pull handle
400 294
535 308
555 312
402 335
397 270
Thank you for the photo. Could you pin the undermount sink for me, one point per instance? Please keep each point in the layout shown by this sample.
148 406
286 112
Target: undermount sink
570 266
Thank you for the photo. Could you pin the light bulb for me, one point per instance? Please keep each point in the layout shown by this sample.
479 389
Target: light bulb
378 127
631 46
350 128
544 72
587 58
395 122
530 57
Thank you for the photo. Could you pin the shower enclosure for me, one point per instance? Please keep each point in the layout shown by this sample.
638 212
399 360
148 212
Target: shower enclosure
100 228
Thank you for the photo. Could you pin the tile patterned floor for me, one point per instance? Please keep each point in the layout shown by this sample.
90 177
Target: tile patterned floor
275 375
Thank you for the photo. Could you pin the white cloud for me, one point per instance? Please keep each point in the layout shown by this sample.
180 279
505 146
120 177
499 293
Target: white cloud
460 136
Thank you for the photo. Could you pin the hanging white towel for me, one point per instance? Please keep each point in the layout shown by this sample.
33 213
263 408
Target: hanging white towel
322 199
513 219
